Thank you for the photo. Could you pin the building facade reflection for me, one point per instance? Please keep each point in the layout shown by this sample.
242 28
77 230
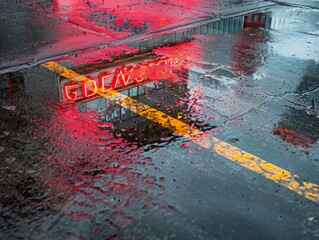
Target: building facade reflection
161 95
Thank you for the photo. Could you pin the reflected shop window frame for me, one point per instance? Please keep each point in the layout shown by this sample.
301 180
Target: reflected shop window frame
107 111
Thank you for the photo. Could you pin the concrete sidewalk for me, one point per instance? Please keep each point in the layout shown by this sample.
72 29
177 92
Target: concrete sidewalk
41 31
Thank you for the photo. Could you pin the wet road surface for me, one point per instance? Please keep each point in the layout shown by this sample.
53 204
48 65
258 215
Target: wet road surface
213 137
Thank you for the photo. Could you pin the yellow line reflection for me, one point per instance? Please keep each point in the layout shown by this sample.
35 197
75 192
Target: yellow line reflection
226 150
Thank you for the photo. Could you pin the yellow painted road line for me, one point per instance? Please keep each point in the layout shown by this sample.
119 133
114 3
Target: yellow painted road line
226 150
262 167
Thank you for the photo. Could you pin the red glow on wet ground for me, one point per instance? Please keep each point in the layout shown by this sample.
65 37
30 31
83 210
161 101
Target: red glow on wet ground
294 137
99 55
123 18
84 168
189 51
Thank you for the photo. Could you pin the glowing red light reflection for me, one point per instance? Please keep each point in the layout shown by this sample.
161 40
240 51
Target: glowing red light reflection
122 76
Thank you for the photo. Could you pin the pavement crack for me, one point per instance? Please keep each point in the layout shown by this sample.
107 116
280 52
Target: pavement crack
308 91
283 95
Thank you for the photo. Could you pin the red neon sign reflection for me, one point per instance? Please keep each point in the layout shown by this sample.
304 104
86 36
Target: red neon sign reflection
69 91
102 78
123 76
89 88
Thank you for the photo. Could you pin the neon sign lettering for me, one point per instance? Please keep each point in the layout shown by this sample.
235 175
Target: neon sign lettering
69 91
102 78
89 92
122 76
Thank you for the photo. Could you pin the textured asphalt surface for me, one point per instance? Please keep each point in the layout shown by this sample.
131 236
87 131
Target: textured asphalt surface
95 169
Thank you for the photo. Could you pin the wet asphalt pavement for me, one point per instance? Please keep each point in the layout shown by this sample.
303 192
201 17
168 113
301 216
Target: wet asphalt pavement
80 161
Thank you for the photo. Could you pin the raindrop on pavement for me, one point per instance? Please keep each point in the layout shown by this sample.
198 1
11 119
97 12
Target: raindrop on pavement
10 160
